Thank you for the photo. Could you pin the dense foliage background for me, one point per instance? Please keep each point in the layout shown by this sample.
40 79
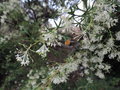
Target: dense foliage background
80 53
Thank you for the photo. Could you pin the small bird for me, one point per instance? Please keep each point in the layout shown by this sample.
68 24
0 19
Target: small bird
74 33
67 42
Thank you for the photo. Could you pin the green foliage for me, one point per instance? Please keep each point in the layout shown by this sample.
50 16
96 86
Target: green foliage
11 71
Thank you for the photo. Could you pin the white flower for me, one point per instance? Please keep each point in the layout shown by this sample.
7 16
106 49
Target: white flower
101 66
24 59
33 82
107 67
48 37
110 42
2 40
26 18
43 50
100 74
2 20
18 57
112 55
86 71
85 64
51 37
58 80
89 80
23 63
118 35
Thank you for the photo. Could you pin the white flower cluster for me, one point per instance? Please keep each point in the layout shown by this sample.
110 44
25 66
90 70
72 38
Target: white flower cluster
100 74
118 35
23 58
7 8
36 76
103 13
89 80
58 80
64 71
3 17
43 50
4 39
51 37
33 76
95 43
